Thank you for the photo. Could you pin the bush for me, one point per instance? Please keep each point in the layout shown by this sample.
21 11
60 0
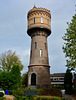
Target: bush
68 82
59 87
18 92
51 92
74 91
2 98
1 94
28 97
48 98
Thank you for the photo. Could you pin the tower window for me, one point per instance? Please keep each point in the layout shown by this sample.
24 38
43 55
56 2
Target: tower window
34 20
48 21
35 45
45 45
41 19
40 52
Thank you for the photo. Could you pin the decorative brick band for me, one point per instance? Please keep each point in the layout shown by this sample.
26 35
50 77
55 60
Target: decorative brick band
45 65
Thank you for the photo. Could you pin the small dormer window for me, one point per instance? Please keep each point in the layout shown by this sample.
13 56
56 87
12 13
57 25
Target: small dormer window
41 19
34 20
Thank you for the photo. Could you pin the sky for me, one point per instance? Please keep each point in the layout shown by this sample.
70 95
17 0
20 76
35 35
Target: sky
13 29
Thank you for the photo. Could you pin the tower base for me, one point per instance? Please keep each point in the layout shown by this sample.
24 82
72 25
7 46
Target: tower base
39 77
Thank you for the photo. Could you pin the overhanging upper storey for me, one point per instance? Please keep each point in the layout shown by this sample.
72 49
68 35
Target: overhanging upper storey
39 18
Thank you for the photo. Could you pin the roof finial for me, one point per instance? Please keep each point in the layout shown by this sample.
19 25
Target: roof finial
34 5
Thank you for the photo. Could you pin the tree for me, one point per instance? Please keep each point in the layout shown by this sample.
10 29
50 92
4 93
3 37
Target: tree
16 76
25 79
8 59
10 80
68 82
69 47
5 81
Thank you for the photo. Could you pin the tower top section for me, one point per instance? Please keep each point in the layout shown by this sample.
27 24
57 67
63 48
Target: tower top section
39 18
36 10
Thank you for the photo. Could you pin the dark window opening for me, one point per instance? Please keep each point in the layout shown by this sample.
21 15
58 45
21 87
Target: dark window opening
34 20
35 45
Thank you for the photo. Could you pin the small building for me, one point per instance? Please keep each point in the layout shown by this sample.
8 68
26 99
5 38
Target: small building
57 79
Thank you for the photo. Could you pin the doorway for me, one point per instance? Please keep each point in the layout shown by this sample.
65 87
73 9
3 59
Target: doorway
33 79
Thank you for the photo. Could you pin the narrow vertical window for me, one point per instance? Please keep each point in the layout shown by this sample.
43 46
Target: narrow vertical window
35 45
48 21
41 19
34 20
45 46
40 52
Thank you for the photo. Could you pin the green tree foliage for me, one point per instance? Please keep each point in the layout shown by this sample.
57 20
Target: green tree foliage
16 76
69 47
8 59
68 82
5 81
25 79
10 80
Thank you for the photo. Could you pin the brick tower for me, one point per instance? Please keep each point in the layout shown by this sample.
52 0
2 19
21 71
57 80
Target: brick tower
39 29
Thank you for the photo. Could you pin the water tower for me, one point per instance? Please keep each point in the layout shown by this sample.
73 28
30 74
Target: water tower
39 28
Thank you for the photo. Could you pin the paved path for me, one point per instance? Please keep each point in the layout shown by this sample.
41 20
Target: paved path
68 97
10 97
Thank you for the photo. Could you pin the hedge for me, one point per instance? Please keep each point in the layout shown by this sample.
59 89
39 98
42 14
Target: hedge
38 98
1 94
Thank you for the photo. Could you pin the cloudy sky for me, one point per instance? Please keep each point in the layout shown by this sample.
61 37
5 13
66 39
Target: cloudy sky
13 29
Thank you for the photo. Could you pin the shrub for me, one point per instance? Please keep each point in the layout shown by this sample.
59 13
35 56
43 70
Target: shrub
48 98
28 97
1 94
74 91
2 98
68 82
18 92
59 87
52 92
